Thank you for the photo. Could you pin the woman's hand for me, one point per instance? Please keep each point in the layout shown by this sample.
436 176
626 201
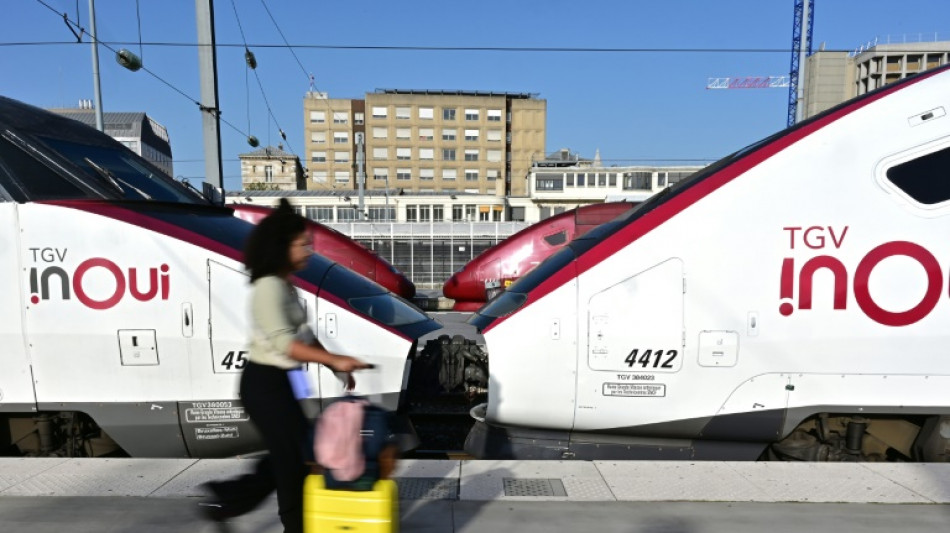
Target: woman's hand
345 363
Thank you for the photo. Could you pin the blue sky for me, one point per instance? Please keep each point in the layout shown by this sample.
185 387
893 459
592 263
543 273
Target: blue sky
633 106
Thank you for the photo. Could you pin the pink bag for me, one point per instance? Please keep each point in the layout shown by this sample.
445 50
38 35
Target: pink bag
338 445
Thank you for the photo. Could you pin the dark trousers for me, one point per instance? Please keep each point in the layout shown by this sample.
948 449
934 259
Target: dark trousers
269 401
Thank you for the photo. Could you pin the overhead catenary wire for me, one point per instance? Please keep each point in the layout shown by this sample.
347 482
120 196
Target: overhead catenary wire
260 84
110 46
433 48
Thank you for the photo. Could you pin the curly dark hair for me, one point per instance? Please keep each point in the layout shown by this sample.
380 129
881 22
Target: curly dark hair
267 251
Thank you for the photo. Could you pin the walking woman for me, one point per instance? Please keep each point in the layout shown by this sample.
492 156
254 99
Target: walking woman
280 341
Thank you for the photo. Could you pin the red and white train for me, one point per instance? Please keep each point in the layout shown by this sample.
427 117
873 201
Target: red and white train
342 250
123 321
790 301
497 267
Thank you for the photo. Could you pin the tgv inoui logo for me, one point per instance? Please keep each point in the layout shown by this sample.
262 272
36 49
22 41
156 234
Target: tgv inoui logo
106 273
814 238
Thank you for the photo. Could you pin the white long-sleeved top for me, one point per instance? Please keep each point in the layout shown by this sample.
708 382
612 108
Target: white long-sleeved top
277 318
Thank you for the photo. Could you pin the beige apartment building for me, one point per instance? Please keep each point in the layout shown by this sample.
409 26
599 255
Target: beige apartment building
425 141
271 169
832 77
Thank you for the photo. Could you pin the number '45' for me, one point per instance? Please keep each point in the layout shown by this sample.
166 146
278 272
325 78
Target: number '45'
234 359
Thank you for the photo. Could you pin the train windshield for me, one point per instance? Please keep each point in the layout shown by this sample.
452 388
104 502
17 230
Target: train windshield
516 295
371 300
121 171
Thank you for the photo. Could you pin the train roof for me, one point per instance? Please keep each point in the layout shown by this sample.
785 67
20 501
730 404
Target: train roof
47 156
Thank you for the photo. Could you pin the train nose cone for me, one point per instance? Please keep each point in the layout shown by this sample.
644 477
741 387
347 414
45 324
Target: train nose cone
451 287
407 289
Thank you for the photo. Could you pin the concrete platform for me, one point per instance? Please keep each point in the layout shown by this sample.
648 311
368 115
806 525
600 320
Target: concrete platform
118 495
538 481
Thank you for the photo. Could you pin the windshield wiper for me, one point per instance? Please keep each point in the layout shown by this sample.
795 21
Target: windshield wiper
112 179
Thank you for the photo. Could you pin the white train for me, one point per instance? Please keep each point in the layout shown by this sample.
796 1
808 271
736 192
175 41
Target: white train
790 301
124 309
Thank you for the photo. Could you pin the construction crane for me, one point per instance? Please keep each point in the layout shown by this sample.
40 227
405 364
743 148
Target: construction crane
801 48
749 82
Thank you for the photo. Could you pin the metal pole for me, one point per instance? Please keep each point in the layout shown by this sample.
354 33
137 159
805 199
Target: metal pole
97 90
208 74
360 176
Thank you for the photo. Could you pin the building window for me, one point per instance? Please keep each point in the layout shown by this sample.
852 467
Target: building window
379 112
437 213
402 133
319 176
318 157
493 135
471 174
424 211
383 214
318 117
402 113
341 157
340 117
494 115
631 180
448 135
403 154
320 214
341 176
448 113
426 154
403 174
471 114
492 175
358 118
381 174
380 154
347 213
380 133
471 155
457 213
483 213
340 137
318 137
471 135
470 212
449 173
550 182
602 179
425 113
569 180
412 213
426 134
448 154
268 174
612 179
676 177
493 156
426 174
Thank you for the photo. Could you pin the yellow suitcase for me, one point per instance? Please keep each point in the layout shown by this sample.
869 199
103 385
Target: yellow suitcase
373 511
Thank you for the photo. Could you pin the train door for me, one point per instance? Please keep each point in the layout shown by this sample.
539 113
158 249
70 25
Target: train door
214 422
634 341
16 375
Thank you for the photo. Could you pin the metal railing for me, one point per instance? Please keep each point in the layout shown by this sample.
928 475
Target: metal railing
428 253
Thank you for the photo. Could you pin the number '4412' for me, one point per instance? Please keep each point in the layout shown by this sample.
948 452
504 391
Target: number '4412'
651 358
